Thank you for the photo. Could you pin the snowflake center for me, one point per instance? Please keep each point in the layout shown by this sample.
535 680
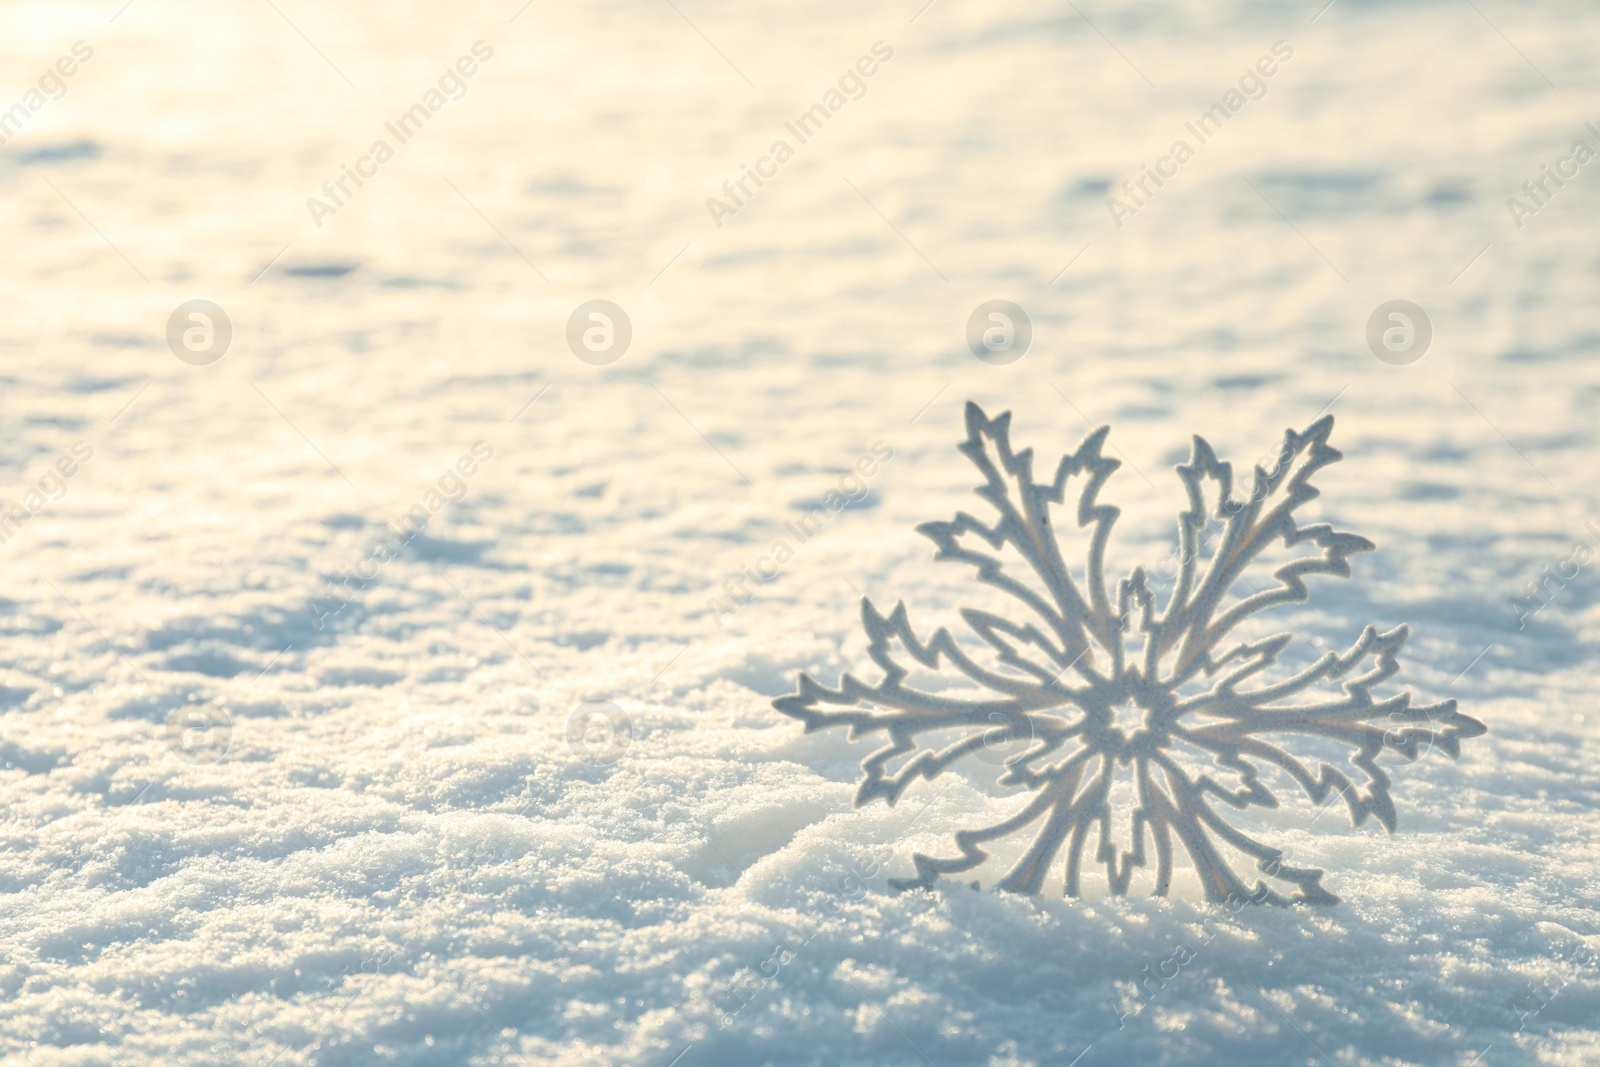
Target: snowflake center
1128 723
1127 718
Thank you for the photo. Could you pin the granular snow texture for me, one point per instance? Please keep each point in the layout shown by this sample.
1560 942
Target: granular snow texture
401 859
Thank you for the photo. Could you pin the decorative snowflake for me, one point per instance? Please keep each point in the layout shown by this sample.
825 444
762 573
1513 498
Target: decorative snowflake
1077 712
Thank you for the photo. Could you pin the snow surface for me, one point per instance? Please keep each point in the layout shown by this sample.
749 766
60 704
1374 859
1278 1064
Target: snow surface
401 859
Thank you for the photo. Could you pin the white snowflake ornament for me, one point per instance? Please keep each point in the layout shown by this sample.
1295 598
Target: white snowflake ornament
1103 736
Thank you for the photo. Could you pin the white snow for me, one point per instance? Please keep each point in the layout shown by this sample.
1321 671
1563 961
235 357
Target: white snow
400 859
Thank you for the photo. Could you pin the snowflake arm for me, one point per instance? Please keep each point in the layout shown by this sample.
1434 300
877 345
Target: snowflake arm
1194 623
903 712
1074 614
1368 726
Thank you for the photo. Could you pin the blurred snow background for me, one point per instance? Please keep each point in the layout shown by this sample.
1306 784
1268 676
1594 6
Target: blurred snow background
400 858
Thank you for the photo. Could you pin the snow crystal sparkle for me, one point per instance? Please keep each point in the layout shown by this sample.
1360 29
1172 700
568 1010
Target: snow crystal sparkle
1158 723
